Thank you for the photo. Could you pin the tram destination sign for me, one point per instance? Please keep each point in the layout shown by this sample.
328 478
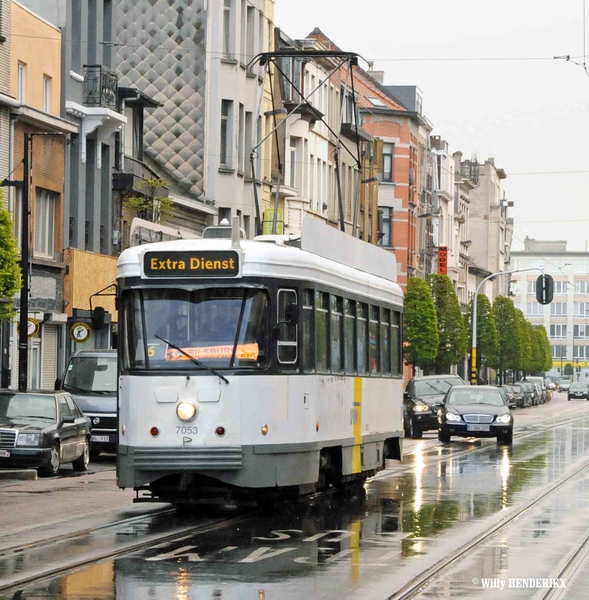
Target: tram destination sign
191 264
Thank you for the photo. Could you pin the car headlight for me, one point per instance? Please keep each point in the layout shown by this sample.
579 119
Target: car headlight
503 418
28 439
421 408
186 410
452 417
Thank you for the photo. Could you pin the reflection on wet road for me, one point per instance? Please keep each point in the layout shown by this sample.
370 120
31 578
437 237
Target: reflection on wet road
371 544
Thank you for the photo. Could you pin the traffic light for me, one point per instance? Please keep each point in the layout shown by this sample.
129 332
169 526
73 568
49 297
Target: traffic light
544 289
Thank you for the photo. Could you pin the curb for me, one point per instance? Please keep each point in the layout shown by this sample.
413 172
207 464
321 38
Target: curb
23 474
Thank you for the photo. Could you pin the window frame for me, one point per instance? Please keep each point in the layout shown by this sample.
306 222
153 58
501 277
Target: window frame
387 157
225 134
44 230
284 328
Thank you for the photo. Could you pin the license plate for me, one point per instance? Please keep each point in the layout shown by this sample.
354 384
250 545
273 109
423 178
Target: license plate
4 453
478 428
99 438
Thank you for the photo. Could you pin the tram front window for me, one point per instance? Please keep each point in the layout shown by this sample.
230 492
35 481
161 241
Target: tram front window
222 328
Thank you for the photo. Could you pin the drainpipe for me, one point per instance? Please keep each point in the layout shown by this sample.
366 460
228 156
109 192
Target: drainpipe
10 101
13 120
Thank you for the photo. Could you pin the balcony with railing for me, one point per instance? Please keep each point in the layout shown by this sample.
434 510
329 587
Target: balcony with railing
100 87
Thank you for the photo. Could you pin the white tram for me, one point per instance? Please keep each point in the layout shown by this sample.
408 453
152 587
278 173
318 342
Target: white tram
253 367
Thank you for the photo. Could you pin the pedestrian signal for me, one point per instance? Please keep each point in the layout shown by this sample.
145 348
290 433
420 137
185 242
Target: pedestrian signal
544 289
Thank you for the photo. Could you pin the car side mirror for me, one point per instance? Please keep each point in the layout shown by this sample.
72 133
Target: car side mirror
69 419
57 384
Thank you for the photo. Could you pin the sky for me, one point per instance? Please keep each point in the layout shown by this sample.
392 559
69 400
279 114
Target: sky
491 88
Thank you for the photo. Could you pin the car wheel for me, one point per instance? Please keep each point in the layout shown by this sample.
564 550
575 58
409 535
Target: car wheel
81 463
443 436
415 433
505 439
52 468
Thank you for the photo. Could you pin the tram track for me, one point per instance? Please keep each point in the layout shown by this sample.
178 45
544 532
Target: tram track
435 572
18 580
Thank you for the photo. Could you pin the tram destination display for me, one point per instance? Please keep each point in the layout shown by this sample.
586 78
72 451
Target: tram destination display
191 264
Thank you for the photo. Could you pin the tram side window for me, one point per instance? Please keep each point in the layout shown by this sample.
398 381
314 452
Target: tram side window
321 332
385 347
134 348
396 343
287 328
336 334
374 344
362 337
349 336
308 346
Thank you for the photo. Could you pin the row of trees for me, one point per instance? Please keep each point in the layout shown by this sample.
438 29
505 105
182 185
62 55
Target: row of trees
437 334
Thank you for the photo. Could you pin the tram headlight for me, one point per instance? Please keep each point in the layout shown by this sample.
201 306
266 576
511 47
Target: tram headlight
186 410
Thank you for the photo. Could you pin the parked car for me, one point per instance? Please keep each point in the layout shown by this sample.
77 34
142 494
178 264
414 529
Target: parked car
538 397
530 390
42 430
422 399
508 392
523 397
541 385
550 384
564 385
578 390
475 411
91 378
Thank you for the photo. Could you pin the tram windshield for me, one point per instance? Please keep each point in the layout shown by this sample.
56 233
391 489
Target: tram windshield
220 327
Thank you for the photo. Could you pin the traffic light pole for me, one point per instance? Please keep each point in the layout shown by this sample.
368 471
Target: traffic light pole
473 354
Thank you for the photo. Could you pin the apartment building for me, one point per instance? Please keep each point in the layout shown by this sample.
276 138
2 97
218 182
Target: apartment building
566 318
212 97
37 128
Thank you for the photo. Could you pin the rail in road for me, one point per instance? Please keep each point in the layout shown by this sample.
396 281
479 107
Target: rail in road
25 564
428 577
35 556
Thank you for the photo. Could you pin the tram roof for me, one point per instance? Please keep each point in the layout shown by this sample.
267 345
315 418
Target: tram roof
343 262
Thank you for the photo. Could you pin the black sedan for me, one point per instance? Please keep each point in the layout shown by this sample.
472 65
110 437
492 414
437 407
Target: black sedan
42 430
578 391
475 411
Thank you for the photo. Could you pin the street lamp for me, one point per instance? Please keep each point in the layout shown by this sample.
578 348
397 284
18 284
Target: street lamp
473 356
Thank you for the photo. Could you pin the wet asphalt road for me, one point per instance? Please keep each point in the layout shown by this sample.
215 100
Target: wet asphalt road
369 544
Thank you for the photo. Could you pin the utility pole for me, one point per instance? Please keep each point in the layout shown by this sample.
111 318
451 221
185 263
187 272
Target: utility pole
23 338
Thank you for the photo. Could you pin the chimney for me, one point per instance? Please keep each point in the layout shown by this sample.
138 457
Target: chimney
378 76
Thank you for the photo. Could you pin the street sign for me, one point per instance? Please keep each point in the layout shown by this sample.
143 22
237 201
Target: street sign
442 260
269 221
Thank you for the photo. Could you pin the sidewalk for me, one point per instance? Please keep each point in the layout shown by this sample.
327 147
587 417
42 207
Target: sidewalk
32 509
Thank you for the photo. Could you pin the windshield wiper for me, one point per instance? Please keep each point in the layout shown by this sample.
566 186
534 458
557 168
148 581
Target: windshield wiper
33 417
435 388
194 360
74 388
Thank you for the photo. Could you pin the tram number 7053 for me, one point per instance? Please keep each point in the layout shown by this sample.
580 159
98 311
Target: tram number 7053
185 430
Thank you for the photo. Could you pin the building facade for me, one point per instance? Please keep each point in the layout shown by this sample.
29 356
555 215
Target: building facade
211 98
36 126
566 318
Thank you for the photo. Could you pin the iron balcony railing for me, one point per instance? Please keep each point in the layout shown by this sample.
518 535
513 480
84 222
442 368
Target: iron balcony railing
100 87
